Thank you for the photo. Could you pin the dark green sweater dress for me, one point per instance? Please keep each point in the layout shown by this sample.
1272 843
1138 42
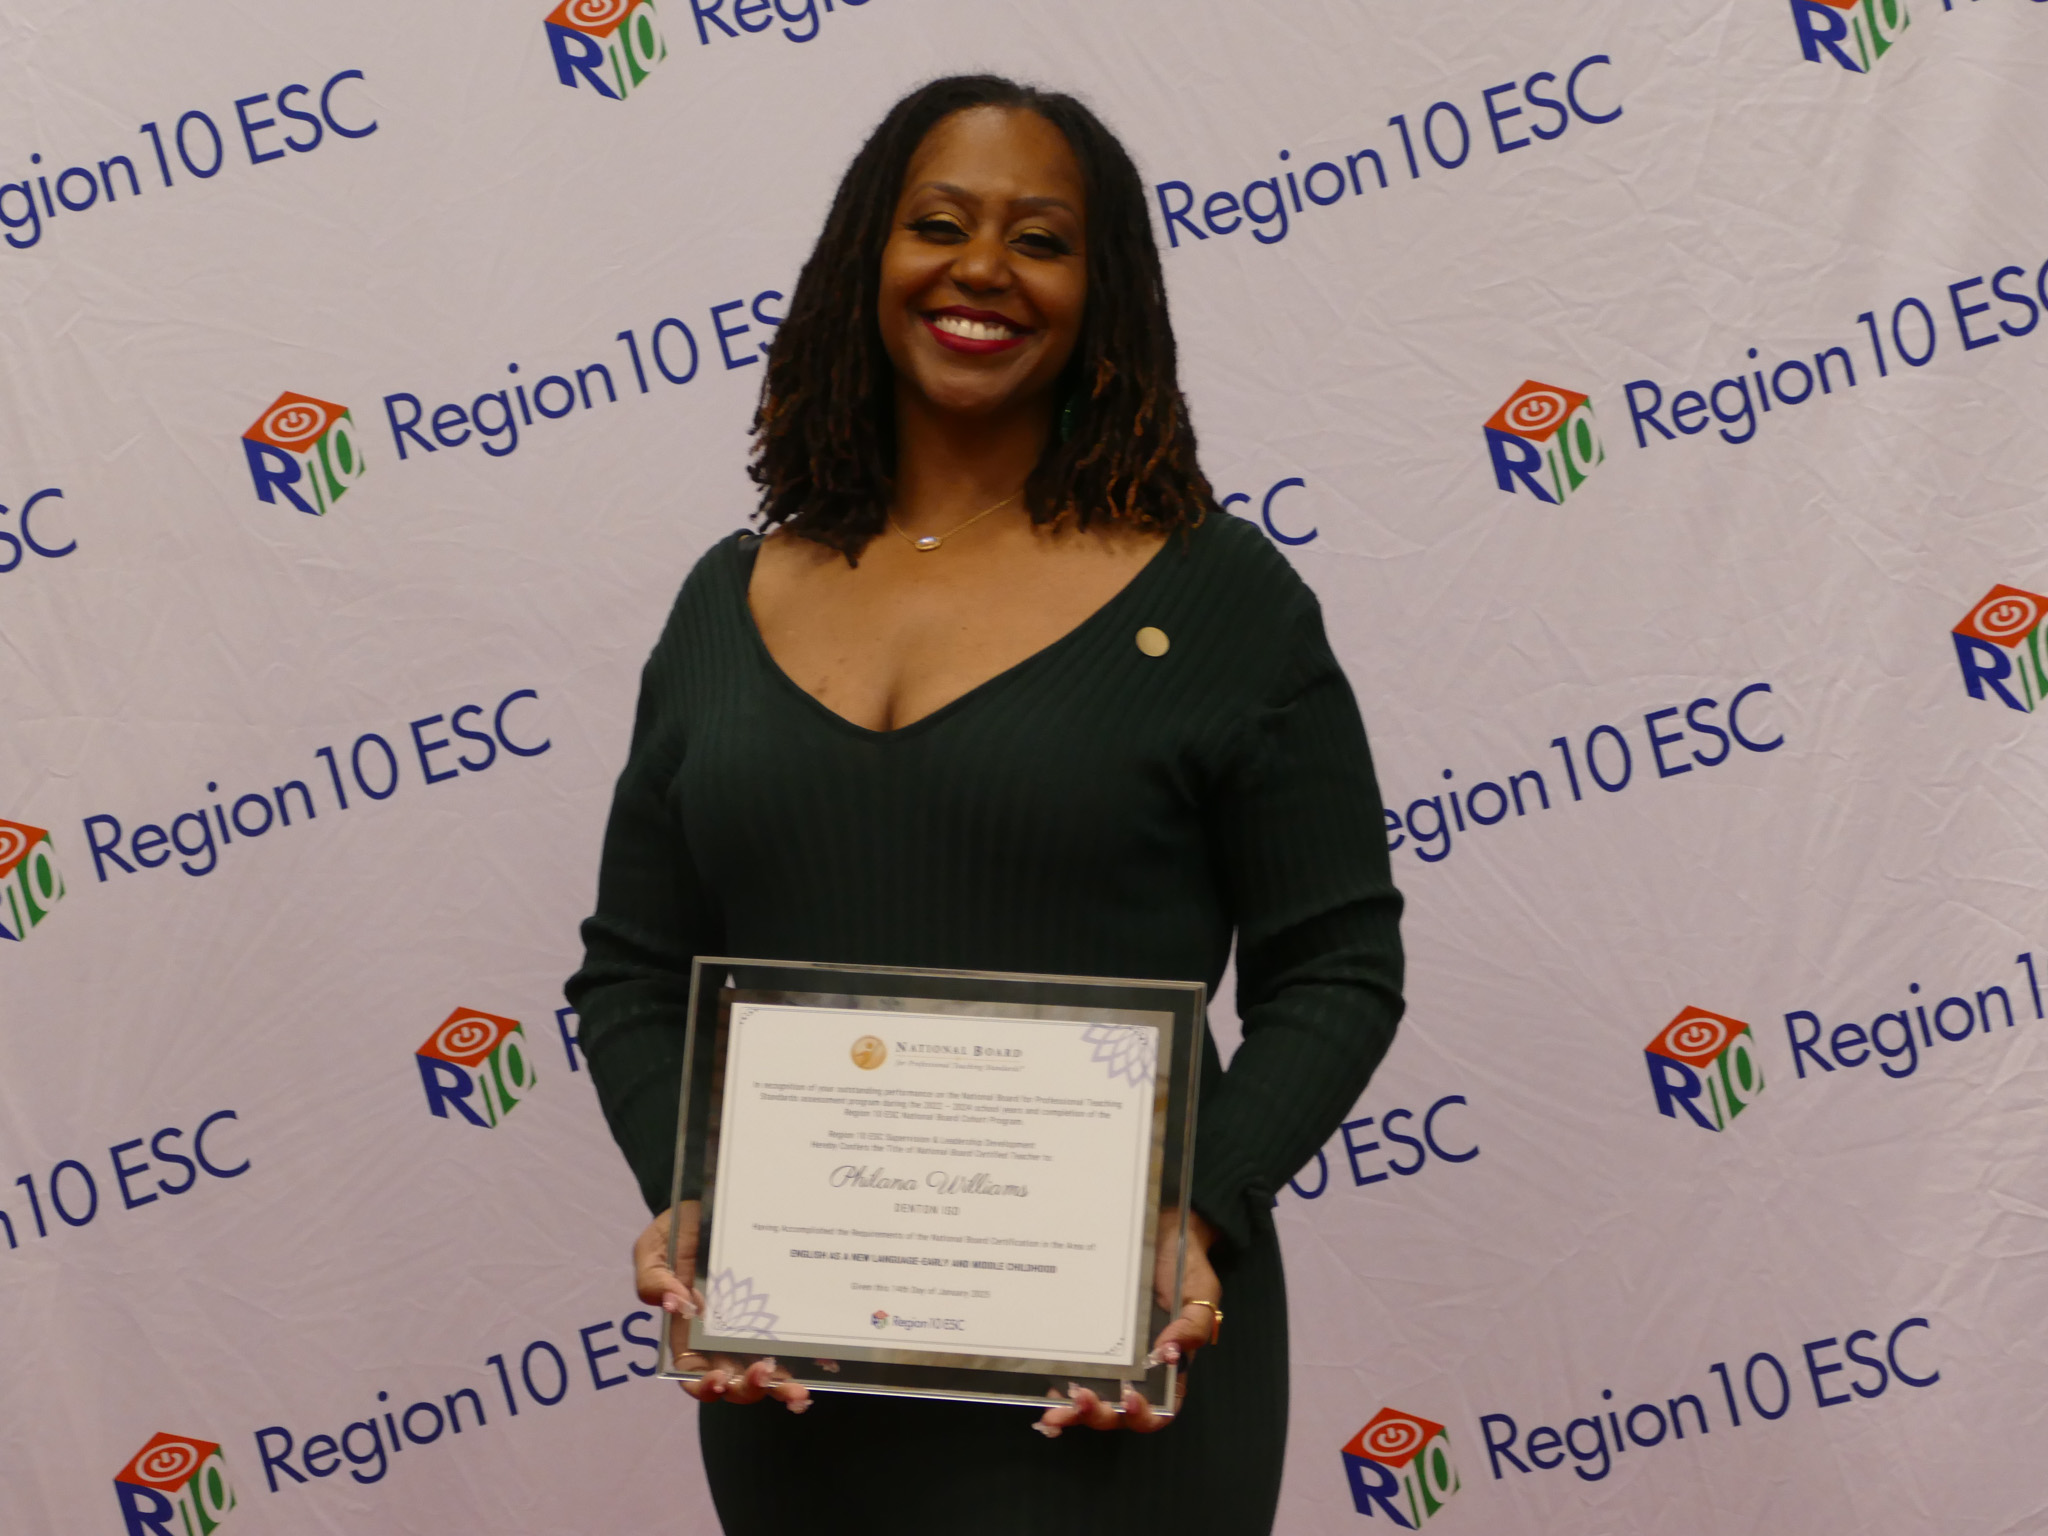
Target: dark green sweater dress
1093 811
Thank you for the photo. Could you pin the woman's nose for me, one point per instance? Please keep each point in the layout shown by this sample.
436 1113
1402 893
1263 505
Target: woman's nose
983 265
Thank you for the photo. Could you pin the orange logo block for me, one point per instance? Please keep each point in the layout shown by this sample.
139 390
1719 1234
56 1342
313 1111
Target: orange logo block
1536 411
1696 1036
2005 616
468 1036
295 422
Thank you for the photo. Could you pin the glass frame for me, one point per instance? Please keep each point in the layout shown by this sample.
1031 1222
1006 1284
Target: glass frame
1177 1010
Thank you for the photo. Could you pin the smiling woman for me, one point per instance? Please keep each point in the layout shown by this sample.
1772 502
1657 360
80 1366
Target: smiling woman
1001 689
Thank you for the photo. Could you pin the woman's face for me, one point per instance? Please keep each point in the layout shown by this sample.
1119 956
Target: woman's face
984 278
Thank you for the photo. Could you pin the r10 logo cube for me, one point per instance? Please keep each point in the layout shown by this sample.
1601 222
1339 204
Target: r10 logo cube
175 1479
1705 1064
1399 1465
1870 27
476 1064
29 882
611 44
1545 438
302 447
2000 644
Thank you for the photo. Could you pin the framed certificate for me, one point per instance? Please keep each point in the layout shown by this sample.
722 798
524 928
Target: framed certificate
952 1184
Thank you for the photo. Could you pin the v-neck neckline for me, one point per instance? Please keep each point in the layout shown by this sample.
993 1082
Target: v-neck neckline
746 546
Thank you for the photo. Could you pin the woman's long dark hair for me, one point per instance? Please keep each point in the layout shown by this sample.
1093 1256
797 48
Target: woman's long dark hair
825 430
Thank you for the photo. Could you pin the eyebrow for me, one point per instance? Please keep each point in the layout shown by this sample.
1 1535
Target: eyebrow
966 196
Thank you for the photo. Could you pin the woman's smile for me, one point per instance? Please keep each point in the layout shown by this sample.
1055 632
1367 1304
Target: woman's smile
975 330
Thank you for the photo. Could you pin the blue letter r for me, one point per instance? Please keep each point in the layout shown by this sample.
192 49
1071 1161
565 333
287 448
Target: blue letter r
449 1084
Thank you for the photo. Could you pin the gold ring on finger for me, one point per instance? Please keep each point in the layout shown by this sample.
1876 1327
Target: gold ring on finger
1215 1315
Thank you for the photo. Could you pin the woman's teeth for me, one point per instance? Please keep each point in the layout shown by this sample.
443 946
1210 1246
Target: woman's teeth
972 330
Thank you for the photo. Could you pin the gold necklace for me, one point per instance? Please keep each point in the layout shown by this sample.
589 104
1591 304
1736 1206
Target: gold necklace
926 542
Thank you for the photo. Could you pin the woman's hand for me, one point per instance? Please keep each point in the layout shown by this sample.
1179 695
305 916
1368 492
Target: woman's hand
1195 1326
722 1379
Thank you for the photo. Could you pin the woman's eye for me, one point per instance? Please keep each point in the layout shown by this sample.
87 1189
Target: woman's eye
939 229
1043 242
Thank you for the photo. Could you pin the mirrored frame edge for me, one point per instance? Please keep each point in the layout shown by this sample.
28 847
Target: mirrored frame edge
1022 1383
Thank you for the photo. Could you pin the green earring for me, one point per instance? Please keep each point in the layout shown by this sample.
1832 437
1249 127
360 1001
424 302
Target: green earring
1067 415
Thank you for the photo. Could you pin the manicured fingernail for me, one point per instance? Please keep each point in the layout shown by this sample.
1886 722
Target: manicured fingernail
1155 1358
803 1406
1130 1400
1074 1391
671 1304
1171 1353
831 1366
1050 1431
769 1364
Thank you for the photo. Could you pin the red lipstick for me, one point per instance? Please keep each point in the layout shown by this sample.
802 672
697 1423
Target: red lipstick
1012 334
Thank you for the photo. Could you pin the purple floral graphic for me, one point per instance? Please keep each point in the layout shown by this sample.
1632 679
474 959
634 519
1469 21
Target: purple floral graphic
1125 1051
735 1310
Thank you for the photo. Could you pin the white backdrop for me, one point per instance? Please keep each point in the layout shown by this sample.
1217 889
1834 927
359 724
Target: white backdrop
231 1214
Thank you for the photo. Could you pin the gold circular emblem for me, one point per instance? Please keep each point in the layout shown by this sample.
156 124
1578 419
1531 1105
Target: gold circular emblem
869 1052
1152 641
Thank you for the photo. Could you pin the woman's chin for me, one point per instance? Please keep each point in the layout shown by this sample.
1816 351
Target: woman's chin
977 398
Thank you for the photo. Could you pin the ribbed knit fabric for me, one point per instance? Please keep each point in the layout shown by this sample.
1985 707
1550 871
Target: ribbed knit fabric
1093 811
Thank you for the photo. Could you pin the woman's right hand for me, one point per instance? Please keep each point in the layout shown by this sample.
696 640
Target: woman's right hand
722 1378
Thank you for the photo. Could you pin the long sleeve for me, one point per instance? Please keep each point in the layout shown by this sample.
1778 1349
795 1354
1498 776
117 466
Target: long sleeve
654 915
1297 828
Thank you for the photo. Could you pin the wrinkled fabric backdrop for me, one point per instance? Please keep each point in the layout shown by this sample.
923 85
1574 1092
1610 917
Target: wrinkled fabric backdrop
1651 393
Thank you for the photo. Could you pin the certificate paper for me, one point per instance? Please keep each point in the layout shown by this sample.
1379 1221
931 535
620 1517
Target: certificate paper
957 1185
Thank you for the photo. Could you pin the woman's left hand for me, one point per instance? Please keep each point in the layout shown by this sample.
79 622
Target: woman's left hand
1195 1326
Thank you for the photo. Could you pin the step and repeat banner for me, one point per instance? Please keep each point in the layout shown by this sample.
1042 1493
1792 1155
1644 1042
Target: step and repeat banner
1651 394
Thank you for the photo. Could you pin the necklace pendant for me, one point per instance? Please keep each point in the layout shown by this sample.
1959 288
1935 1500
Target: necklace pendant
929 541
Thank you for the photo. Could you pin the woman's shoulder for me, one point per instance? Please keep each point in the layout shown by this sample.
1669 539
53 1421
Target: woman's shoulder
1253 624
709 581
1235 565
729 556
704 604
